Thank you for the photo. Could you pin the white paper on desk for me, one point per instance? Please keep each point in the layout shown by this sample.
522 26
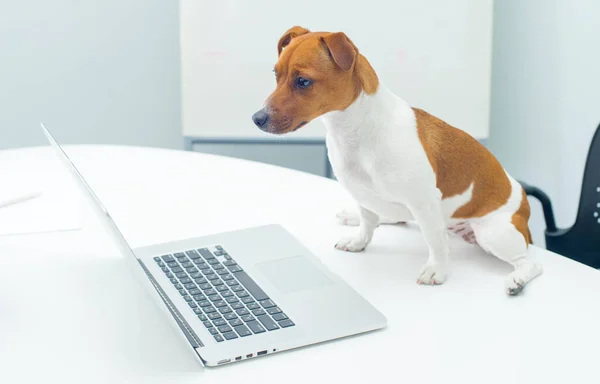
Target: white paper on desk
58 208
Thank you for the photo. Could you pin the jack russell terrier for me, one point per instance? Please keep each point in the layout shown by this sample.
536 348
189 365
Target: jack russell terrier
399 163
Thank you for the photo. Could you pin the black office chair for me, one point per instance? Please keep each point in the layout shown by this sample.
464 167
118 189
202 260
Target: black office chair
581 242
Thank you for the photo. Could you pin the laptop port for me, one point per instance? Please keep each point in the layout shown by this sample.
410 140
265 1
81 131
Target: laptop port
224 361
238 358
261 353
249 356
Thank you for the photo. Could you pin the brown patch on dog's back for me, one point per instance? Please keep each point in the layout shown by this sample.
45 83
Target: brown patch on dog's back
521 218
459 161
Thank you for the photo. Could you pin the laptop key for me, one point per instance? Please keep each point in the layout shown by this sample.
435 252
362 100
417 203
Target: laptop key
210 292
219 303
161 264
237 306
219 338
234 268
182 292
227 277
165 269
214 315
157 258
192 254
197 311
192 304
222 272
224 310
214 297
190 286
237 288
201 280
248 300
206 253
207 324
242 311
241 294
250 285
187 298
232 282
167 258
268 322
286 323
253 306
242 330
219 322
202 317
218 252
222 288
217 283
213 261
204 303
195 291
209 309
217 267
273 311
181 274
227 293
191 270
200 263
187 264
224 328
232 300
230 335
178 287
170 275
227 257
235 322
177 270
279 316
230 316
172 264
258 312
229 263
205 286
185 280
267 303
255 326
179 255
247 318
213 331
212 276
199 297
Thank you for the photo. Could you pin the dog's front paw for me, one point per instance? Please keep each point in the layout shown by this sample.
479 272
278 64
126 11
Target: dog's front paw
352 244
432 274
345 217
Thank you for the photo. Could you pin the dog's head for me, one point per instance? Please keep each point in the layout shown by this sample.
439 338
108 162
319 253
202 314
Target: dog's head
316 73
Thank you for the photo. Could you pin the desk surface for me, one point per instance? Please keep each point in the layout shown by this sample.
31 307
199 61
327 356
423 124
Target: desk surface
70 313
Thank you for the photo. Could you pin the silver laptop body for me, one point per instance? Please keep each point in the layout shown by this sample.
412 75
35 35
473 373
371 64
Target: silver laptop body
241 294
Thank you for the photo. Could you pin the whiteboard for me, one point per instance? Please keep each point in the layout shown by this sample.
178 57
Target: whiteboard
435 54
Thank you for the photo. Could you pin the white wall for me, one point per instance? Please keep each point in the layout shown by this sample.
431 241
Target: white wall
94 71
546 96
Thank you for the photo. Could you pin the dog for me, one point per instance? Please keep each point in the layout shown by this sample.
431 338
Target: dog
398 162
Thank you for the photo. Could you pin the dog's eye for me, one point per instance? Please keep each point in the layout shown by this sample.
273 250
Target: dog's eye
302 82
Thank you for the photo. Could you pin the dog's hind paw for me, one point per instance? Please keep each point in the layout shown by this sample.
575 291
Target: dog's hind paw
352 244
432 274
345 217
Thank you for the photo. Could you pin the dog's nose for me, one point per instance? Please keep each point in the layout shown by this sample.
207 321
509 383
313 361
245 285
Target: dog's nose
260 118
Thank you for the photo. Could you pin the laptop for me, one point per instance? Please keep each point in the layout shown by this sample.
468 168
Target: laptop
242 294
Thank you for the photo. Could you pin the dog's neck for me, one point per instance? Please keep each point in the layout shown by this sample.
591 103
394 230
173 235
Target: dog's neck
367 112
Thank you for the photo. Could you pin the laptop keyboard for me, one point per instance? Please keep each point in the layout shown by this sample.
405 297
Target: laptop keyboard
225 299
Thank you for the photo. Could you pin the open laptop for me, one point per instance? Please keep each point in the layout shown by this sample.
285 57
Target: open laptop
242 294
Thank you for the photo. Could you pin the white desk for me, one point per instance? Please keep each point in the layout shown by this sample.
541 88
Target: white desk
68 312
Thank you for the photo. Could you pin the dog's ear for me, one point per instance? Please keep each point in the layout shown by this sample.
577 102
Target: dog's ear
341 49
287 37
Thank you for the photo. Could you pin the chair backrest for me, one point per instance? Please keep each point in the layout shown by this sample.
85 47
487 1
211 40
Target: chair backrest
582 241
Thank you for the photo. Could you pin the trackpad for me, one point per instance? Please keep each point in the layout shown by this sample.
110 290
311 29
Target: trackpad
293 274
